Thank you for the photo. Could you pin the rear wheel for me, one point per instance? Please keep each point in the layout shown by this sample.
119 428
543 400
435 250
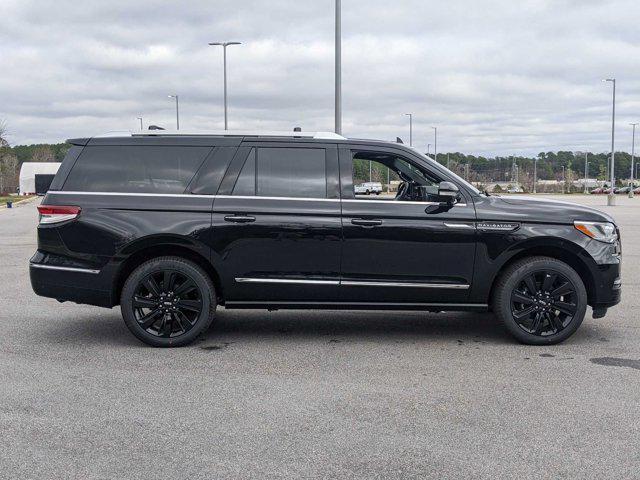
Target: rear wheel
540 300
168 302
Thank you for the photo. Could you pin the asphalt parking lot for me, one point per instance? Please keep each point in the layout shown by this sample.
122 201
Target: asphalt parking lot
296 394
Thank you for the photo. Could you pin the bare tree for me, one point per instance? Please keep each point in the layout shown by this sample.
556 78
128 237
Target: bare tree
8 172
43 153
3 134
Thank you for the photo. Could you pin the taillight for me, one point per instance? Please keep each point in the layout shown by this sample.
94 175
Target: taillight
57 213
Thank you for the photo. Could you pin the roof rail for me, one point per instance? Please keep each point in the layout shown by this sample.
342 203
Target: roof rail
229 133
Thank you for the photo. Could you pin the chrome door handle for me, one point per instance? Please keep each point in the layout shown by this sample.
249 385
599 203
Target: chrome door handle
363 222
239 218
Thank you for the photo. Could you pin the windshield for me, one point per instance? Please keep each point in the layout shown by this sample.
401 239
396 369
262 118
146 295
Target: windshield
458 178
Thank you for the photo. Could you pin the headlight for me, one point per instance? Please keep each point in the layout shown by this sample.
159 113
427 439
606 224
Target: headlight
600 231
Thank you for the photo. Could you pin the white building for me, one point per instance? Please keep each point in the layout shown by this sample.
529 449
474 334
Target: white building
28 173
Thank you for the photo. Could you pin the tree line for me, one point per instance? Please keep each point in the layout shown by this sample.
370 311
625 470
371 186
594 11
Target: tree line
12 158
561 165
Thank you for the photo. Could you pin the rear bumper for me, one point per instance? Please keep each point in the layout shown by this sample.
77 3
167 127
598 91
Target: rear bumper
68 284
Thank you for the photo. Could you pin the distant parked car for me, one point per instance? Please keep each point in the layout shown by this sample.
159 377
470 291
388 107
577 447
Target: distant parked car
636 190
622 190
368 188
606 191
597 191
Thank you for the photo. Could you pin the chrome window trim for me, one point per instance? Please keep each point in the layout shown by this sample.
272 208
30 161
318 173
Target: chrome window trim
352 283
248 197
128 194
65 269
256 197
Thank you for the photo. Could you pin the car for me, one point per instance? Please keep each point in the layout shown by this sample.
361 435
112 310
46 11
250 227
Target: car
636 190
597 191
622 190
170 226
368 188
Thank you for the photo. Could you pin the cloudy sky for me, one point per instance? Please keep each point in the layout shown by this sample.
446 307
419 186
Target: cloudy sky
496 77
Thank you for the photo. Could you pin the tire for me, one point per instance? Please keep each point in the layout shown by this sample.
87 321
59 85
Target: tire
532 316
173 316
368 192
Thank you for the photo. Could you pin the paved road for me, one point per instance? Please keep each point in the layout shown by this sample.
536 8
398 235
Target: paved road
313 394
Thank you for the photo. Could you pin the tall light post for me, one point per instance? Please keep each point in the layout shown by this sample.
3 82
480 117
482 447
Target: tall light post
633 154
535 173
435 143
177 111
428 149
224 46
611 198
410 115
141 127
563 180
586 172
338 69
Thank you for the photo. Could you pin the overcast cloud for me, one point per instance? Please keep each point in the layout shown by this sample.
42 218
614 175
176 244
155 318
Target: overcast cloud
496 77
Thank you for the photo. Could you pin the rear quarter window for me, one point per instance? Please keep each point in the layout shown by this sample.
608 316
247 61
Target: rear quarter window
135 169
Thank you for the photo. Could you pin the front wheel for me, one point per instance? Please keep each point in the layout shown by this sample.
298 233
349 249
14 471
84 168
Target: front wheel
540 300
168 302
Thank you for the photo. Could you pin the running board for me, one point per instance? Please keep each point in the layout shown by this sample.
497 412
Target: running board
302 305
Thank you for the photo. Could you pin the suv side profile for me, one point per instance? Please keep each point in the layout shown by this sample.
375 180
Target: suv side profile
169 226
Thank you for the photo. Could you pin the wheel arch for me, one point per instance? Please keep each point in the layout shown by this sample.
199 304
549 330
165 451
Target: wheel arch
558 252
135 255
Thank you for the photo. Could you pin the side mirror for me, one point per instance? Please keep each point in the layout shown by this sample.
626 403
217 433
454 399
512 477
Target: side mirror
448 191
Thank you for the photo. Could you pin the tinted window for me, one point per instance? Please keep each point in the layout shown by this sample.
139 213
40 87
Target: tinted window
291 172
133 169
246 183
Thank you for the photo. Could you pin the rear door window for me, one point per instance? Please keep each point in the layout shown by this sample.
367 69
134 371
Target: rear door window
135 169
284 172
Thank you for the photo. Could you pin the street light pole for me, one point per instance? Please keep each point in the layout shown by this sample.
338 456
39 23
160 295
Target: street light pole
563 180
535 173
633 153
141 127
586 171
177 111
338 69
224 46
428 149
410 115
435 143
611 198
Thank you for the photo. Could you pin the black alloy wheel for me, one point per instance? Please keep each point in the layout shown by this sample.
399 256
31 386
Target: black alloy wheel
540 300
168 301
544 302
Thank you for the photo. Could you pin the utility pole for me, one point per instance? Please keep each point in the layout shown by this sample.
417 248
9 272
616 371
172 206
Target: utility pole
633 153
338 69
611 198
535 173
140 118
428 149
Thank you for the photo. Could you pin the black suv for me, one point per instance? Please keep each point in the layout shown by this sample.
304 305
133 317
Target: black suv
169 226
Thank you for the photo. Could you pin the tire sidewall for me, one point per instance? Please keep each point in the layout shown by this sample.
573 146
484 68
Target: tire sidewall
503 300
199 277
